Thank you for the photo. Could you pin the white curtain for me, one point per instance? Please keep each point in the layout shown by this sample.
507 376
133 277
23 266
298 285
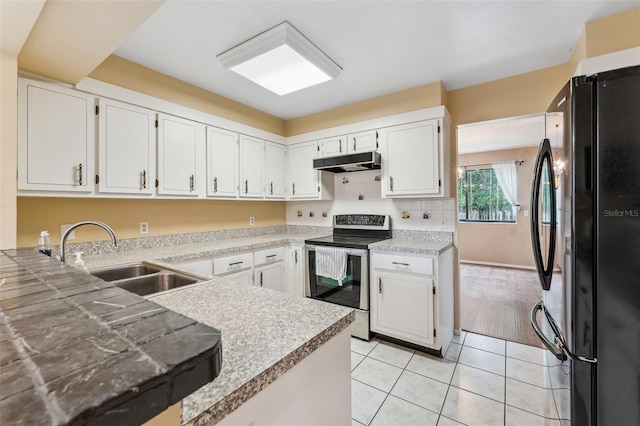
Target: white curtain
507 175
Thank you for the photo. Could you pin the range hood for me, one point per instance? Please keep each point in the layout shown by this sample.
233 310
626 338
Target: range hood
348 163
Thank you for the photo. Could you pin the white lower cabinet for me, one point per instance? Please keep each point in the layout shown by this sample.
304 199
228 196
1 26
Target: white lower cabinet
296 270
270 276
412 298
243 277
201 266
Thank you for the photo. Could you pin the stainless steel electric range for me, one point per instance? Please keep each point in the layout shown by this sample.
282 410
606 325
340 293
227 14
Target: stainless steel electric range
352 233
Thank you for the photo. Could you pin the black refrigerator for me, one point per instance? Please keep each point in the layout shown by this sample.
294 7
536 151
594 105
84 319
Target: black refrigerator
585 231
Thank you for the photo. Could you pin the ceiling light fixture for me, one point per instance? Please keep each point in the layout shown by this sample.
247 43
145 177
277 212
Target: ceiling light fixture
281 60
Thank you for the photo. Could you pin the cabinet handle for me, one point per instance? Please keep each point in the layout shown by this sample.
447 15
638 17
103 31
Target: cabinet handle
260 279
295 256
246 186
354 144
271 188
144 179
80 174
215 184
294 188
340 145
390 183
192 182
270 256
400 263
379 285
236 263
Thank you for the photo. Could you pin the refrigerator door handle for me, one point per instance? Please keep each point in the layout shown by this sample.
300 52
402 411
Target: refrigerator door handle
559 346
554 347
544 163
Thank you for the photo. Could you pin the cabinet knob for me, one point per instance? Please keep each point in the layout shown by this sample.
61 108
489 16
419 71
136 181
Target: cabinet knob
144 179
192 182
80 174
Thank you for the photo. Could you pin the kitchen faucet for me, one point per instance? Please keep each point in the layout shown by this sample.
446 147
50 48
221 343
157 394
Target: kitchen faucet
63 239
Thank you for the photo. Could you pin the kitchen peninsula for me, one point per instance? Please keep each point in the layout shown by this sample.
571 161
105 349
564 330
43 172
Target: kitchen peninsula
265 336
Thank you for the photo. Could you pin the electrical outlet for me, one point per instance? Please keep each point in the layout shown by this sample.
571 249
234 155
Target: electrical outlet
144 228
72 234
252 221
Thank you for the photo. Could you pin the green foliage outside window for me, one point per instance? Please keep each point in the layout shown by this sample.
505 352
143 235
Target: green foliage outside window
480 198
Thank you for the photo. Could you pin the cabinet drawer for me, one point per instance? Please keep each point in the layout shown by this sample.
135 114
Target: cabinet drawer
400 263
269 255
233 263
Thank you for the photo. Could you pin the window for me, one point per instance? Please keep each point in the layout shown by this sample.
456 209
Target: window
480 198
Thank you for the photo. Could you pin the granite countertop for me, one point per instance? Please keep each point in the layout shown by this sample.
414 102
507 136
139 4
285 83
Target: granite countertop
393 245
265 334
75 349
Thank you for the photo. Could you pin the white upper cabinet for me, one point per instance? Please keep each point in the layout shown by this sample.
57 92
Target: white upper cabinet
336 145
349 144
181 153
251 167
363 141
275 167
222 163
413 160
126 148
303 179
56 138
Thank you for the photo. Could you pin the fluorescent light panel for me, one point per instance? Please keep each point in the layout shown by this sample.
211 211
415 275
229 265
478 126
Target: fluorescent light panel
281 60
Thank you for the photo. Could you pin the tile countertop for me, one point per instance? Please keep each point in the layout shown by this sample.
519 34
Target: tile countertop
75 349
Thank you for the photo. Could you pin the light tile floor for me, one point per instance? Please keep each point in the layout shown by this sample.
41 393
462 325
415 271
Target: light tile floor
480 381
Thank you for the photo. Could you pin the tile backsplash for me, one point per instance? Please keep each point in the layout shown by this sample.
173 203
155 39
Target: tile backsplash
359 192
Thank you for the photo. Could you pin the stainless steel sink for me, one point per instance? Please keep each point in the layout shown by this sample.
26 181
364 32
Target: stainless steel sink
125 271
143 278
155 283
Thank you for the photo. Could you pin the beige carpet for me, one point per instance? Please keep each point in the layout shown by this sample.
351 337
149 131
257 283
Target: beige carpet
497 302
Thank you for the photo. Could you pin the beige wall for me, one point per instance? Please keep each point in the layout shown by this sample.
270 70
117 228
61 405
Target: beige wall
508 244
612 33
123 215
424 96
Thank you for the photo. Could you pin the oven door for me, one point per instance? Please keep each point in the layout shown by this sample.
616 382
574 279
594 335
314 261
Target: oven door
353 292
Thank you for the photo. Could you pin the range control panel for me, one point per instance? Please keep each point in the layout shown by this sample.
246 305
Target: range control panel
361 221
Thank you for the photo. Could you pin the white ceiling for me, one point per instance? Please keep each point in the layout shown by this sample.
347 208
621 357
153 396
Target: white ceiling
382 46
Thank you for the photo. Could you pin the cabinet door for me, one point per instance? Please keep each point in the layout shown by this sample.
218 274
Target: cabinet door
202 266
297 274
222 163
126 148
243 277
363 141
334 146
402 306
303 178
56 138
251 167
180 156
270 276
411 162
275 164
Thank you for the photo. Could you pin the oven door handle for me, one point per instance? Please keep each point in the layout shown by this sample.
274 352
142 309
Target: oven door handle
350 251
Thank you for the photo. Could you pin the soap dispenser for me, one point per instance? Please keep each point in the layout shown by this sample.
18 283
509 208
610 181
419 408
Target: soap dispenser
79 263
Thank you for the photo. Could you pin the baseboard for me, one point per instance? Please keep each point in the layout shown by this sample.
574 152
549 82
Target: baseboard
500 265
